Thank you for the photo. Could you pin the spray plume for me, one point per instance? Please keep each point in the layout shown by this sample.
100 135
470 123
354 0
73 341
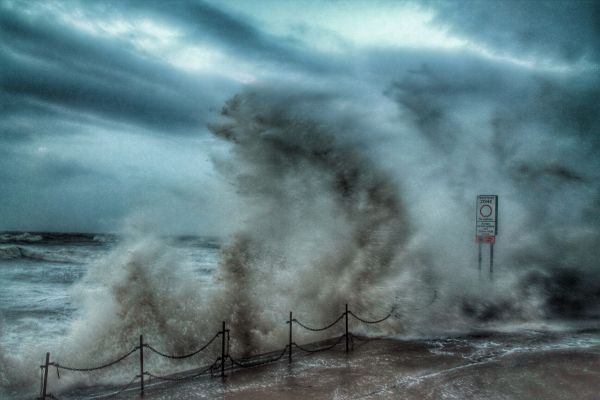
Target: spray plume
323 225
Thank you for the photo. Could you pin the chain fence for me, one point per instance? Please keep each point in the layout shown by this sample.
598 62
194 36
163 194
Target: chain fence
331 325
174 357
220 362
90 369
368 321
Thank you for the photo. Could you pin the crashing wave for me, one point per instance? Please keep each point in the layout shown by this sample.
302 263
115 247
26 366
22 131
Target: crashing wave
20 237
18 252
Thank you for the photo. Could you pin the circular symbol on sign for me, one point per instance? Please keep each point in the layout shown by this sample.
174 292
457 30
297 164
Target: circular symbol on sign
485 211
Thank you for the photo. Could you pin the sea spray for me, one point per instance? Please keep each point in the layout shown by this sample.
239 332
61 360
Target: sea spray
531 139
15 370
140 288
325 222
326 225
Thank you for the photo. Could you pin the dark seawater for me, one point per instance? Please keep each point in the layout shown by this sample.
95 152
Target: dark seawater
38 272
44 275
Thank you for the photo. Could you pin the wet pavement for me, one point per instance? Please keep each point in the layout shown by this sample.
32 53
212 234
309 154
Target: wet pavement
532 366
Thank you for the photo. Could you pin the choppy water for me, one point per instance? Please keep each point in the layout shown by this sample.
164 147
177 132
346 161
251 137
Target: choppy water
39 271
42 278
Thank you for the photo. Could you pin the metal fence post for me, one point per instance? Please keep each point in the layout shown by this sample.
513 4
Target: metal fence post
290 341
45 384
227 355
346 313
142 365
223 352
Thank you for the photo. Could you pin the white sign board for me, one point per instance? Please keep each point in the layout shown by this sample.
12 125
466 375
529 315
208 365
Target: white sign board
487 218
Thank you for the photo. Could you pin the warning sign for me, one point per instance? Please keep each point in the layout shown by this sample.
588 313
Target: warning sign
487 218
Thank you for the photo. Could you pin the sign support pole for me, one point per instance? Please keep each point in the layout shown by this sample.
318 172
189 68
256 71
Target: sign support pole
491 261
479 259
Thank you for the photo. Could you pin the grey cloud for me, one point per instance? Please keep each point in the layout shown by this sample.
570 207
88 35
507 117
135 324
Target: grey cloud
21 168
205 22
55 193
566 31
53 70
57 80
52 64
62 170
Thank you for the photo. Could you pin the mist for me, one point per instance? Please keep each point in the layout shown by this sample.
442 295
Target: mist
323 199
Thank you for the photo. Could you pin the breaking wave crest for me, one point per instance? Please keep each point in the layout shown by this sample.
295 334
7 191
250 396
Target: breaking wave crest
324 226
17 252
24 237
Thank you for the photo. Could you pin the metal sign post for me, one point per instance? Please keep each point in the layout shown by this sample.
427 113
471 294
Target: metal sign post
491 260
486 225
479 259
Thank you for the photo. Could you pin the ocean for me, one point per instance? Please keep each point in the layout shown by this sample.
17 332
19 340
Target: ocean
41 278
85 298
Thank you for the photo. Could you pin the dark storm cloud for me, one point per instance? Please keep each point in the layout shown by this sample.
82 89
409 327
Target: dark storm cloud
562 30
59 79
50 67
46 64
203 22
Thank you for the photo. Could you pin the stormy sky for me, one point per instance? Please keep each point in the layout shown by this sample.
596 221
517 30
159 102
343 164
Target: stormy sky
105 106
